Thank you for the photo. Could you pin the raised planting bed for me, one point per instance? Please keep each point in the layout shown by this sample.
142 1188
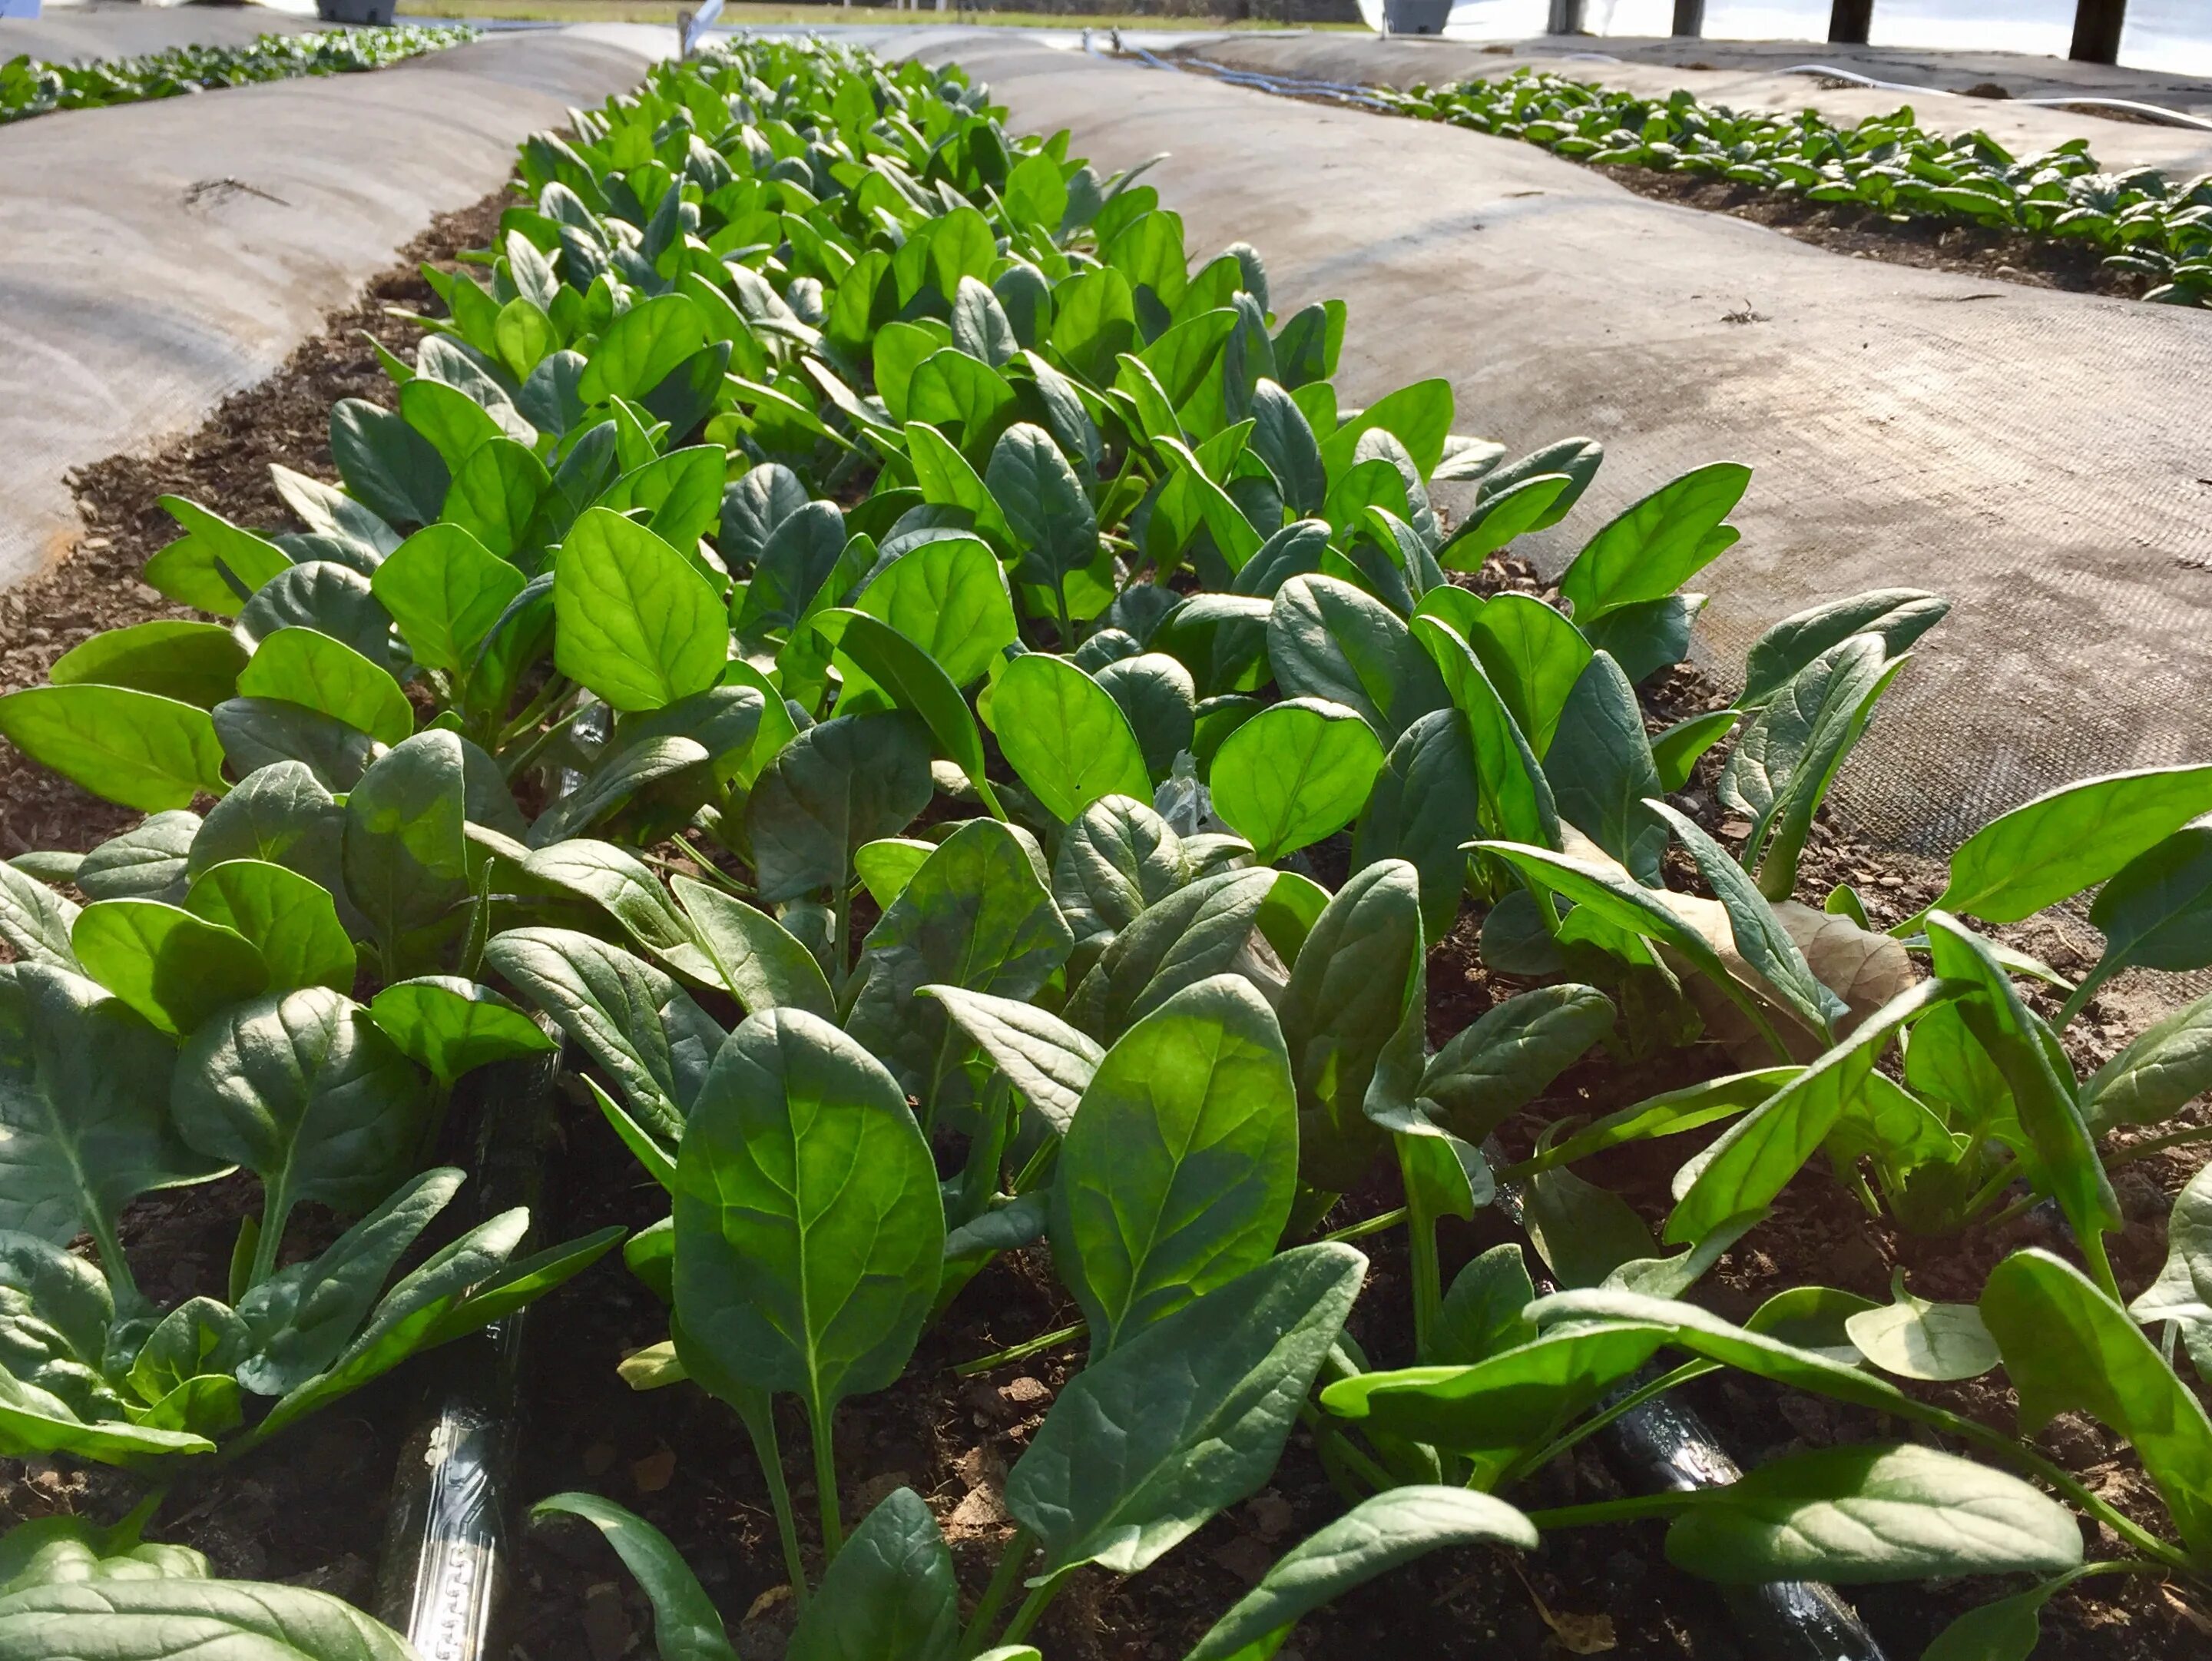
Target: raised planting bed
1069 889
1886 188
30 86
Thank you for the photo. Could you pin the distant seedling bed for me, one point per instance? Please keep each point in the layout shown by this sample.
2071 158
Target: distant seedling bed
30 87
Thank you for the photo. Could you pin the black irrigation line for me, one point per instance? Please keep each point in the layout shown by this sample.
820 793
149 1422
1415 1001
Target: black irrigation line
445 1544
1664 1446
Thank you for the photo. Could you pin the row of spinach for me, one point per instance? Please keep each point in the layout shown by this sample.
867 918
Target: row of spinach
31 86
2139 220
870 513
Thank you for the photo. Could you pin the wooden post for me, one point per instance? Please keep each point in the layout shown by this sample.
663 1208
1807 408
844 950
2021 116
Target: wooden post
1689 19
1566 17
1850 22
2097 25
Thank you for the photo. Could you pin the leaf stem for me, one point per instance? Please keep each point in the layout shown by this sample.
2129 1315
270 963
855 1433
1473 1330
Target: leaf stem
2157 1145
1004 1579
1020 1352
1421 1252
1034 1606
1068 640
520 763
1618 1510
2099 1264
825 1480
2081 994
1326 1430
1597 1421
1361 1230
556 687
123 1289
760 1424
840 923
274 1207
709 869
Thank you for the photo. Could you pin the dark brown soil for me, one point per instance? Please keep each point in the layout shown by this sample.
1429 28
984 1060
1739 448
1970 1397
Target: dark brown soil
311 1509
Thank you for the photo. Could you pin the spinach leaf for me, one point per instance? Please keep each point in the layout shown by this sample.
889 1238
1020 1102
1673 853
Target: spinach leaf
1490 1070
1421 802
1601 772
1898 615
450 1025
891 1590
192 662
686 1626
1654 547
136 749
303 1089
1381 1533
841 782
1176 1174
1326 639
1358 984
1296 772
631 1019
809 1232
1064 736
2061 842
635 621
291 921
164 1619
173 968
1184 1419
1868 1513
406 850
84 1086
977 914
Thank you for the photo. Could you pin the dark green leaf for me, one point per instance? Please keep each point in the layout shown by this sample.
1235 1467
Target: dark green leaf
1176 1175
840 783
1186 1419
1358 984
891 1590
686 1626
303 1089
809 1232
632 1019
1378 1535
1873 1512
1898 616
84 1086
1601 770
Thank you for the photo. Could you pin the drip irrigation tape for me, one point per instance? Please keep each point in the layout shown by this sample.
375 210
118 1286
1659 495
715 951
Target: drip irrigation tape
446 1546
1283 86
1662 1445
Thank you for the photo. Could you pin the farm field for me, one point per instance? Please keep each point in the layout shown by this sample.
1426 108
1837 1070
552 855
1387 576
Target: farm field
844 857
